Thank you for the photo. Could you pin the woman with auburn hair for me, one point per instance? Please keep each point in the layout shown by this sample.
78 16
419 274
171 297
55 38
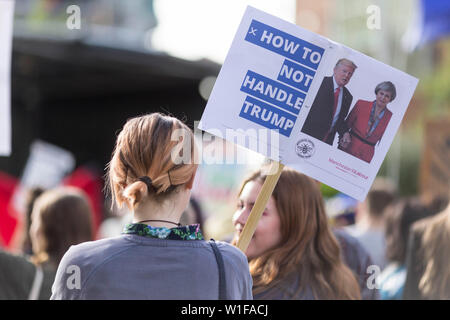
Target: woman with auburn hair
155 257
293 253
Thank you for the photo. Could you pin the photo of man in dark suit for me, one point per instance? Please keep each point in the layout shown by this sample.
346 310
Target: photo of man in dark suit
331 105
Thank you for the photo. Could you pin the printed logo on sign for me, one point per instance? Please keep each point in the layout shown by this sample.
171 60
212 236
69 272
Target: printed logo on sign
305 148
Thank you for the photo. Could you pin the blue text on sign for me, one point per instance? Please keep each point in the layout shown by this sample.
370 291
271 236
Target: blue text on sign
296 75
267 116
273 92
284 44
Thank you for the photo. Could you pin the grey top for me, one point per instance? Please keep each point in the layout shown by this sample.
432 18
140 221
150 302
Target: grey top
373 240
287 289
355 257
135 267
358 260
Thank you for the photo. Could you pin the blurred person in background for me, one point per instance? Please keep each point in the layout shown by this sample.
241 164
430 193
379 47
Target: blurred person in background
293 253
370 224
193 213
400 216
359 261
343 220
155 257
428 259
20 279
60 218
340 210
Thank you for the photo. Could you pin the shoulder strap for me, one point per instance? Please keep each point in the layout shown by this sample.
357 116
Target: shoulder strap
222 280
37 283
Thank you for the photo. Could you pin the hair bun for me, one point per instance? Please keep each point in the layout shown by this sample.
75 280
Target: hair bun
135 192
144 149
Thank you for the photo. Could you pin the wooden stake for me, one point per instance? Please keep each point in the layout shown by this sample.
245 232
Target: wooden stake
260 205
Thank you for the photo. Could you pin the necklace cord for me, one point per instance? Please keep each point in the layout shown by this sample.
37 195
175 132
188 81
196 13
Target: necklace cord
177 224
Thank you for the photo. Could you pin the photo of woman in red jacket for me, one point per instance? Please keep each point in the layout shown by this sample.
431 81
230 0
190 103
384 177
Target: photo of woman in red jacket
367 122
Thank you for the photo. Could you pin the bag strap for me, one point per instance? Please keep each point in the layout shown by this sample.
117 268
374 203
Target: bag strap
37 284
220 264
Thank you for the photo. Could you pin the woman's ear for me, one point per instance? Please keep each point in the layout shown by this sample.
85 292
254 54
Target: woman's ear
190 183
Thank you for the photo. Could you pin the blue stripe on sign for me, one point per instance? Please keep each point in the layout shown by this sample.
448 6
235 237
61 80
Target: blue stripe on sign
273 92
296 75
284 44
267 116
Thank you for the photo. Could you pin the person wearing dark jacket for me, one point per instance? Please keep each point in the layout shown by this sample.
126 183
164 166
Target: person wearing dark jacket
20 279
331 105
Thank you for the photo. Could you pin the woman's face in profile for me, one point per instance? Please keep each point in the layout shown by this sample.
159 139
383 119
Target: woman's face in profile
267 234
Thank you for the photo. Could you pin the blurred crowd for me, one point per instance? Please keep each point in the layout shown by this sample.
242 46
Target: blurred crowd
141 231
392 248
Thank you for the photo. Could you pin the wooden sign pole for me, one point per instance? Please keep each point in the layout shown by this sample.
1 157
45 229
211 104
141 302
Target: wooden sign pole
259 206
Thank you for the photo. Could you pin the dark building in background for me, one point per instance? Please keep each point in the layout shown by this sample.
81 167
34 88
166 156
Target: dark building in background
75 88
78 96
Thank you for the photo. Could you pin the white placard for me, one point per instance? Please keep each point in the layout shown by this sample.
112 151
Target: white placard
46 167
278 76
6 31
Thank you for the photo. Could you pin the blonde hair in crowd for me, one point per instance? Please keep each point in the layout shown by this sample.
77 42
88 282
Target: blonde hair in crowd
144 147
308 246
435 281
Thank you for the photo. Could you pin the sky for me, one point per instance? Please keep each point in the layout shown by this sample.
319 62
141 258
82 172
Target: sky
199 29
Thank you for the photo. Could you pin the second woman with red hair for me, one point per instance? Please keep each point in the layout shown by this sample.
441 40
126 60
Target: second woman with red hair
293 253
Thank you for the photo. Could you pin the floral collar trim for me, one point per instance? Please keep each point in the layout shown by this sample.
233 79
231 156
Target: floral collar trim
190 232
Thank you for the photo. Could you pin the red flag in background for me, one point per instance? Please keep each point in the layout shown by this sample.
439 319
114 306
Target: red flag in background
92 185
8 218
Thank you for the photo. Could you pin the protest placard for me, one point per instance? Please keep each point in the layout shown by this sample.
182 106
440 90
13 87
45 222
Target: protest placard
335 110
278 76
6 28
46 167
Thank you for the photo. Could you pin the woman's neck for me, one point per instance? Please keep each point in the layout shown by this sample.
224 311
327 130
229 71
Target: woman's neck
167 213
